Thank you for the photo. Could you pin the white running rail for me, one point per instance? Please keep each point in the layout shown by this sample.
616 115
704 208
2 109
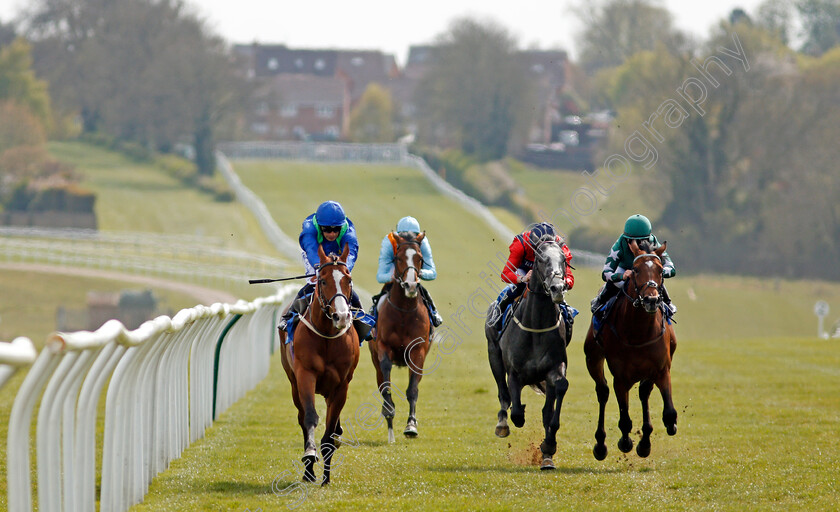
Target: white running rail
19 352
161 382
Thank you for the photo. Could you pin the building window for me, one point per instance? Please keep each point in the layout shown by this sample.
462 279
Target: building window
281 131
332 131
288 110
325 111
273 64
357 61
299 63
262 108
320 64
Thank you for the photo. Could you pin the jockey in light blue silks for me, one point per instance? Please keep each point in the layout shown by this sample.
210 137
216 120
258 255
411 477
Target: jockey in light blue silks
385 272
331 229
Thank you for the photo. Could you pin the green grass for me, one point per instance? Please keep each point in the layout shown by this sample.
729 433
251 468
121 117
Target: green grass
138 197
552 189
756 393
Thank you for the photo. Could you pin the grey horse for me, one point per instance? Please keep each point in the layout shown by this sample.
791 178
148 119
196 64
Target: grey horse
531 350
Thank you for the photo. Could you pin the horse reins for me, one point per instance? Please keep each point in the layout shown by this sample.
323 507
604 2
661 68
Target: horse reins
399 278
325 306
544 291
650 284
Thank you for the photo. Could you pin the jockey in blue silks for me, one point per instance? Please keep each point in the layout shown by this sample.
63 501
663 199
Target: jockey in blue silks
385 272
331 229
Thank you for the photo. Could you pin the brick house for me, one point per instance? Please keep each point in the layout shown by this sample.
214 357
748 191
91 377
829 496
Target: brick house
307 94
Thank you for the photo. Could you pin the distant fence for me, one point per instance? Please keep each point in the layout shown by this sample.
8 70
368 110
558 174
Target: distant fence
371 153
167 381
197 259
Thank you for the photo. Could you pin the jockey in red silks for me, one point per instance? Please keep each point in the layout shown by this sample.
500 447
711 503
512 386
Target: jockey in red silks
517 272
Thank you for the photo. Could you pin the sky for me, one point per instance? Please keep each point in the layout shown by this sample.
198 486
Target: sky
392 26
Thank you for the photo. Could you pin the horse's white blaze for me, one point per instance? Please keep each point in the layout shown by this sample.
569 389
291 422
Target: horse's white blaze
411 275
650 263
341 306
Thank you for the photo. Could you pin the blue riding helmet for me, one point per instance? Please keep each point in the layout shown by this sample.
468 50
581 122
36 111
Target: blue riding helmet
330 213
542 229
408 224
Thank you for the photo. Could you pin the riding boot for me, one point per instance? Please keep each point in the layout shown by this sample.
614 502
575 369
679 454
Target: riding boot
508 295
361 322
606 293
434 316
375 299
667 300
569 314
298 306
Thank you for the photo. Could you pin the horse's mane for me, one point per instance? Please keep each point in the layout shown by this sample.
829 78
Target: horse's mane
644 245
408 236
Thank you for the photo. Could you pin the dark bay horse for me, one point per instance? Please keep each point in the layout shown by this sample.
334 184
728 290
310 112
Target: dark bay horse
638 344
402 331
322 358
532 347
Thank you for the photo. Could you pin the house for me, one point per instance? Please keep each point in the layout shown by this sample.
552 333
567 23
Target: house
307 94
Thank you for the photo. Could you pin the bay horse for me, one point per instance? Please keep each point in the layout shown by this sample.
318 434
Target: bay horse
402 330
322 358
638 344
532 347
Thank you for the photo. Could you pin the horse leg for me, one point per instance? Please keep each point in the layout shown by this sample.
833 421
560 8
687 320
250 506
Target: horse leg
643 449
669 413
417 358
332 430
556 387
388 408
497 365
306 395
595 365
625 424
517 408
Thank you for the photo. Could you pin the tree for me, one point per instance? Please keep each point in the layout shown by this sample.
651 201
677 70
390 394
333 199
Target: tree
144 71
371 118
820 24
776 16
617 29
19 84
475 88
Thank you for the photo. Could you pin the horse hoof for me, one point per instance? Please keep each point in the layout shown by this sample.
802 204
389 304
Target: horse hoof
502 431
643 449
410 431
625 444
518 419
391 438
672 430
600 451
547 464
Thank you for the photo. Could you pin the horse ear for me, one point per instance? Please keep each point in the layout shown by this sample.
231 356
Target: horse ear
634 247
344 253
321 254
420 237
661 249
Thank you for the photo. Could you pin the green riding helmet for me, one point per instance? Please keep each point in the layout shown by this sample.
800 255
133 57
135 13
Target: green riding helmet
637 226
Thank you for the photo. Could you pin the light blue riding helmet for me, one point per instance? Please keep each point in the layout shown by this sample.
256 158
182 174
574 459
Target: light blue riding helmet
408 224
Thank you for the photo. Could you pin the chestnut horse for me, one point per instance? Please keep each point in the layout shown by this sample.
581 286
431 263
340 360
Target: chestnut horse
322 358
638 343
402 331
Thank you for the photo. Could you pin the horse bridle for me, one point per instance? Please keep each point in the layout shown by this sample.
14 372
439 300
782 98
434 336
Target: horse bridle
325 305
399 278
637 302
549 277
